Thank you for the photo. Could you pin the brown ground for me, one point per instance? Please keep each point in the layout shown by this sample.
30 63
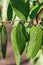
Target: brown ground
9 54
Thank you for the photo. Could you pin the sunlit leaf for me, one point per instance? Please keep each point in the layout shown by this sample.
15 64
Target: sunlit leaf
20 9
15 46
4 9
35 41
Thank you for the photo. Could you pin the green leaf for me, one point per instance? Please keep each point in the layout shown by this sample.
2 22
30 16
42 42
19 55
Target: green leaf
35 10
4 41
35 41
41 7
10 12
21 37
15 46
20 9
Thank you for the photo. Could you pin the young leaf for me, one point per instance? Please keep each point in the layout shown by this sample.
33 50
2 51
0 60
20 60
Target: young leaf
35 41
20 9
15 46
